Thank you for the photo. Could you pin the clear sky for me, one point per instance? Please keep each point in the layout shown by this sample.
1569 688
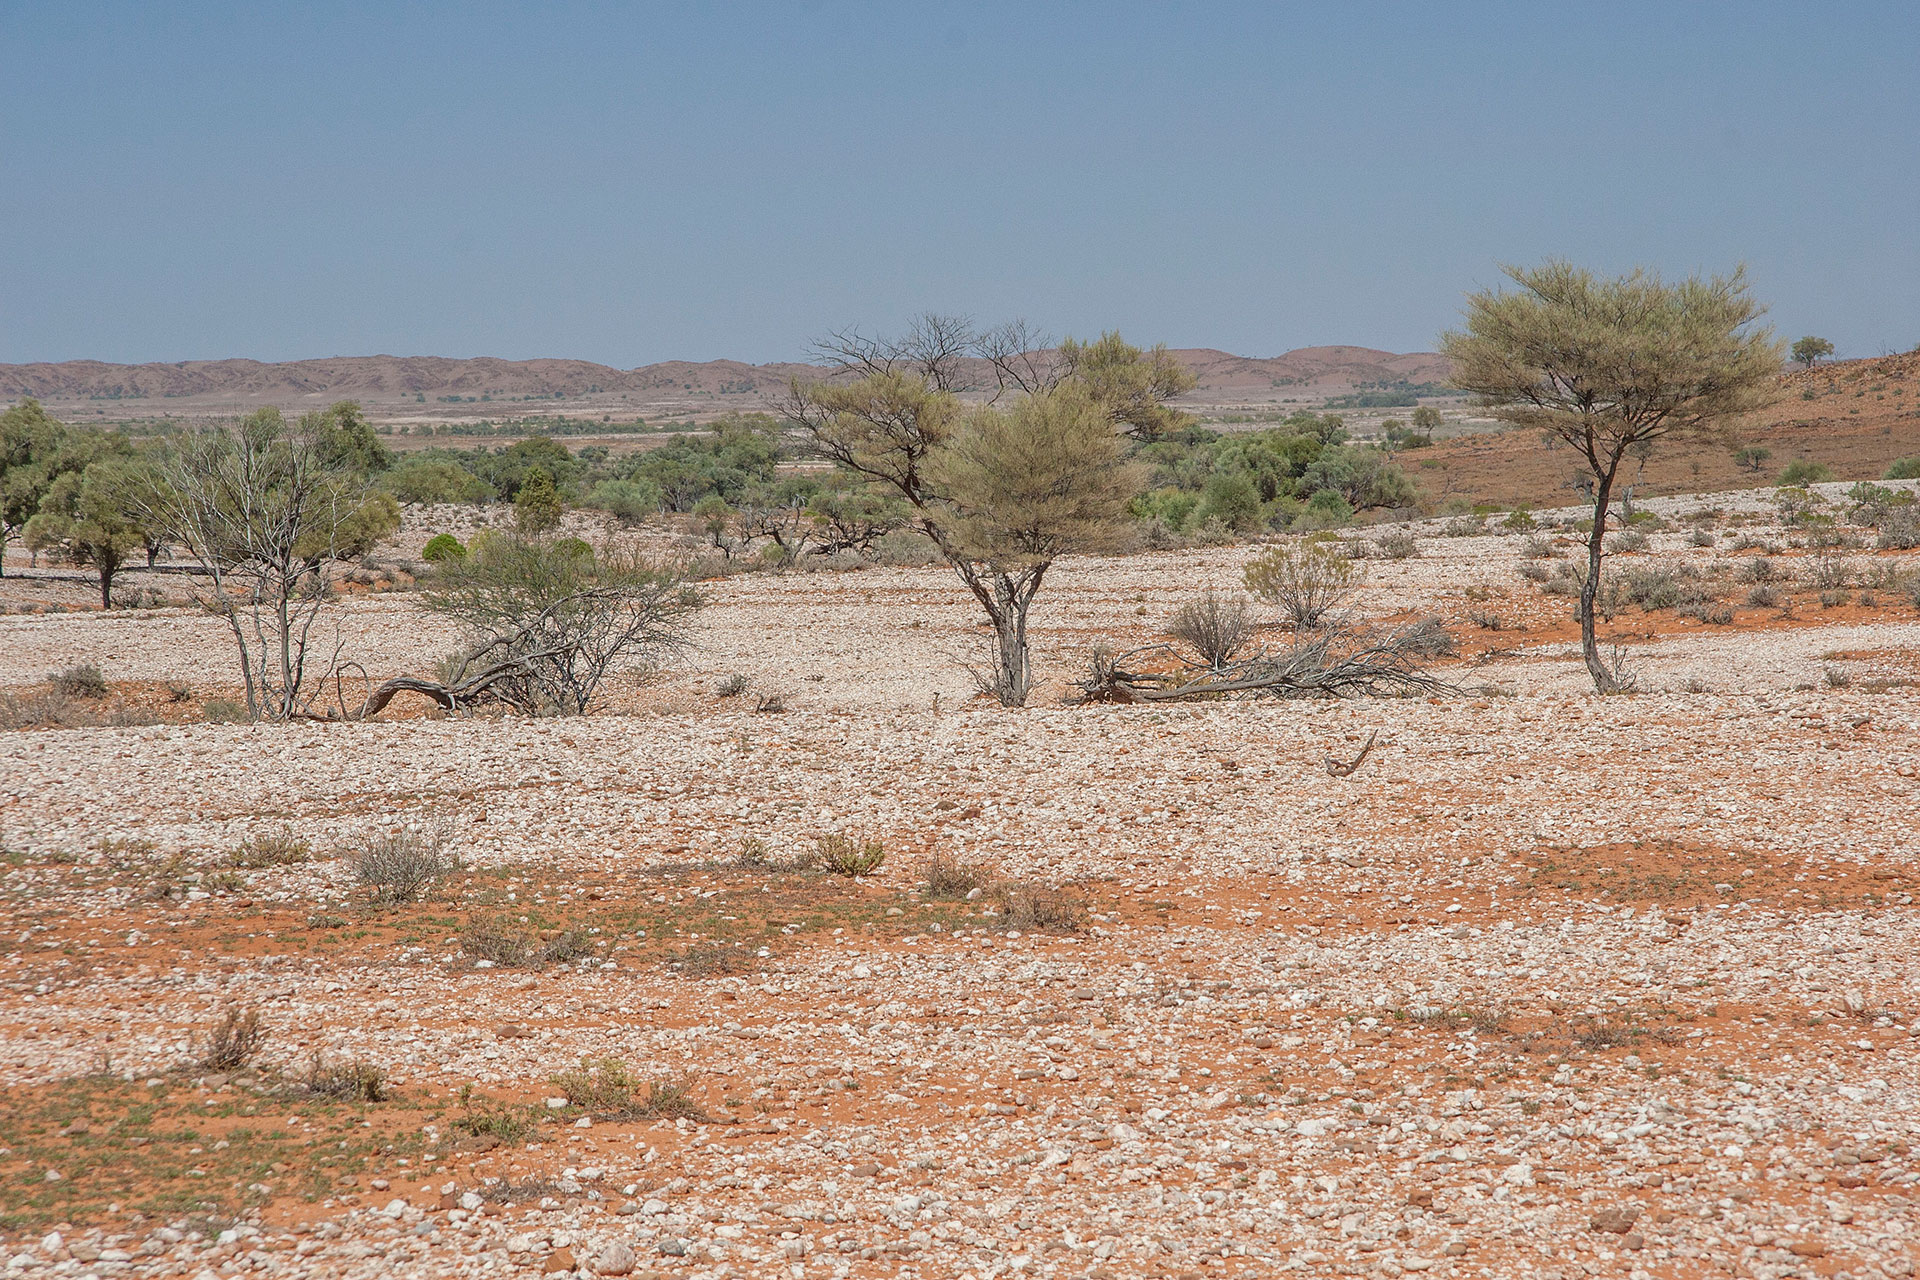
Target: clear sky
632 182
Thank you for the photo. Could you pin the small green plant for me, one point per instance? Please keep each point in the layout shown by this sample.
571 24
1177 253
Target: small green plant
714 960
443 546
842 855
501 1124
605 1087
503 942
1396 544
1308 582
1802 472
224 711
235 1041
82 681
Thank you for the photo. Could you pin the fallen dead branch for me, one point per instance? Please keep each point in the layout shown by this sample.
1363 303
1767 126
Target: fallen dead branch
1331 664
1344 768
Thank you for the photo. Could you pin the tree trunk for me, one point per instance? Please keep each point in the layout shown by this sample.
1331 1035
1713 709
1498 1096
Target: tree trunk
107 568
1590 590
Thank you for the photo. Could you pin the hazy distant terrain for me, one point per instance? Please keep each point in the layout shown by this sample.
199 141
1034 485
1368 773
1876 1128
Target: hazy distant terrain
404 388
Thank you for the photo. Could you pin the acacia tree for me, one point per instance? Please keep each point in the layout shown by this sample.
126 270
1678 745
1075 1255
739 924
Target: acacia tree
93 514
31 445
1001 492
269 508
1809 351
1612 367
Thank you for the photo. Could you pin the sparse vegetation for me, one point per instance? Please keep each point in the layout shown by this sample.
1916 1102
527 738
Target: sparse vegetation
235 1041
843 855
1308 581
403 864
1214 626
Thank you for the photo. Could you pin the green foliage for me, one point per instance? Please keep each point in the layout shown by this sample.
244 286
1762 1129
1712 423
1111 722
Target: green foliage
1809 351
630 500
90 511
1802 472
537 508
443 546
1308 580
1751 457
346 441
1232 500
1904 469
423 480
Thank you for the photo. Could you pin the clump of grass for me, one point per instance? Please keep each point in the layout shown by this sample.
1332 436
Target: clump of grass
502 942
501 1125
1764 596
1038 908
235 1041
1396 544
355 1081
732 686
224 711
270 849
400 866
1627 541
178 691
752 853
1837 677
82 681
608 1088
845 856
951 880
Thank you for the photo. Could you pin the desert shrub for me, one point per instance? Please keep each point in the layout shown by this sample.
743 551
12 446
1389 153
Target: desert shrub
44 711
1215 626
235 1041
1428 638
732 686
1037 907
1837 677
1903 469
82 681
604 1087
1700 538
949 879
356 1081
1759 569
443 546
1397 544
1652 587
561 617
401 865
1715 613
270 849
905 548
1829 572
842 855
1486 619
1538 547
1801 472
1519 520
1833 599
1463 527
505 1124
224 711
178 691
1764 596
752 853
1534 571
503 942
1900 528
1308 581
1627 541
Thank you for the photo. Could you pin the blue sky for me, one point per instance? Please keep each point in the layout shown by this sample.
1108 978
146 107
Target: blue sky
631 183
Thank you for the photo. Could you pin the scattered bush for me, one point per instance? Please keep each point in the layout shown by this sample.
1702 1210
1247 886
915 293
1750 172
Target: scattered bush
1214 626
1308 582
1627 541
609 1089
270 849
1716 614
1652 587
355 1081
714 960
1904 469
1534 571
731 687
1538 547
1463 527
1764 596
1038 908
1760 569
503 942
224 711
1396 544
235 1042
843 856
443 546
83 681
752 853
503 1124
1899 528
400 866
1829 572
1833 599
1801 472
1700 538
951 880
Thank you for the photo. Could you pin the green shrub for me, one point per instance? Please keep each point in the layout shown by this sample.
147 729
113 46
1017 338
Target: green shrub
843 856
1801 472
1904 469
443 546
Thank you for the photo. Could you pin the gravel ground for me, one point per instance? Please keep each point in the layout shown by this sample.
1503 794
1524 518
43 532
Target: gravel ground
1552 985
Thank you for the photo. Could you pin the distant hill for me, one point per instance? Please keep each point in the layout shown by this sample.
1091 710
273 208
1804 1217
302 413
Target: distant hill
396 379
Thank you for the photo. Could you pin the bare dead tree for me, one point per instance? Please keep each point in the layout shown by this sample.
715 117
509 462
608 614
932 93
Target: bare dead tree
1331 664
934 347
